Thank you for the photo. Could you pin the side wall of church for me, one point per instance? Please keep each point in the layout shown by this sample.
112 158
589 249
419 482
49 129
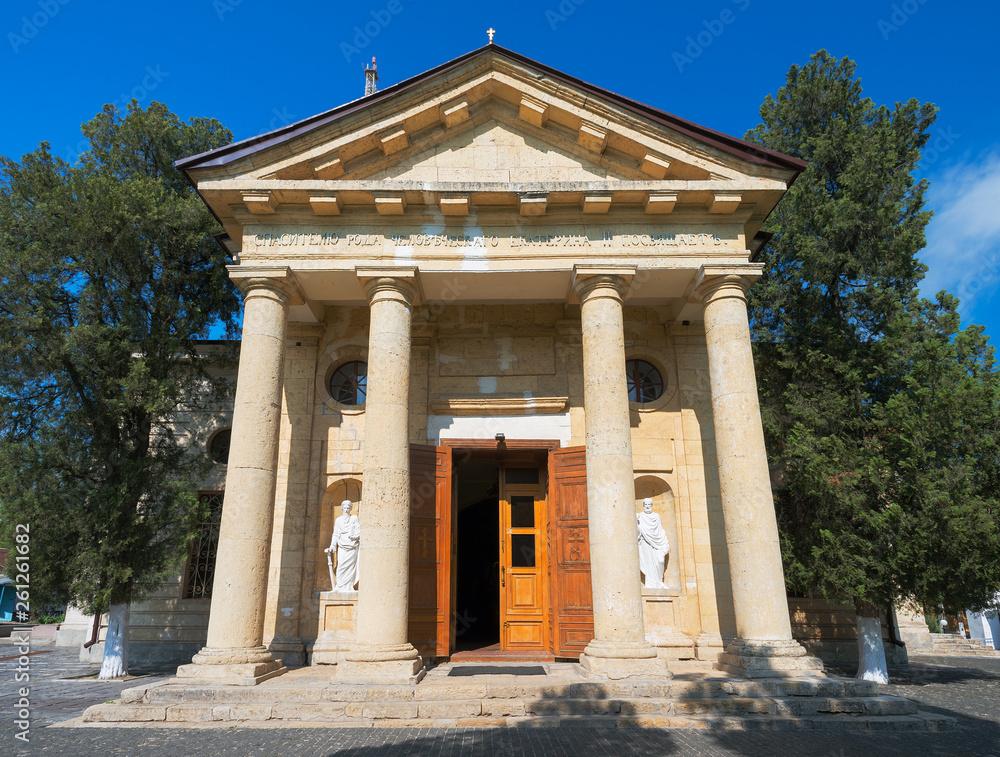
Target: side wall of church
168 626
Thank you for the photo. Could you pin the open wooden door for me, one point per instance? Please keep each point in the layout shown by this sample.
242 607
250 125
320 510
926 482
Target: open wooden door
430 545
569 556
523 560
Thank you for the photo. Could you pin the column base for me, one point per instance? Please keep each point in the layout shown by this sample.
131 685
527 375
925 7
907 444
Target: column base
231 667
769 659
396 663
615 660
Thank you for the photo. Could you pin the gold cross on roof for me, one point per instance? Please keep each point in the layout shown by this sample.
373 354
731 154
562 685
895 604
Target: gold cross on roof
491 31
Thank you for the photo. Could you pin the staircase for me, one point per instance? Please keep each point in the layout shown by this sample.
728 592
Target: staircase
560 696
953 644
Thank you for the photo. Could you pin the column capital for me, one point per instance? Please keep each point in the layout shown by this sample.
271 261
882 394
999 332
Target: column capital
390 282
612 281
729 280
276 279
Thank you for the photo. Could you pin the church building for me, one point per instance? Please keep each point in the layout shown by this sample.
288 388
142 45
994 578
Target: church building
496 308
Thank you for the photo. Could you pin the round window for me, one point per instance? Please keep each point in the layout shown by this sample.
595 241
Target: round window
218 447
349 383
645 384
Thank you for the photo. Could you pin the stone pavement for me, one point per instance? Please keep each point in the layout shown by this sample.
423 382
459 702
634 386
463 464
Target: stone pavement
968 689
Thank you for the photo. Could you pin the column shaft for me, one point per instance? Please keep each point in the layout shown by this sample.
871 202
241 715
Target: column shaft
619 646
763 626
236 621
383 590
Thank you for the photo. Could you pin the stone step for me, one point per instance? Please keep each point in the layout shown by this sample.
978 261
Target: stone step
502 708
168 693
958 646
442 714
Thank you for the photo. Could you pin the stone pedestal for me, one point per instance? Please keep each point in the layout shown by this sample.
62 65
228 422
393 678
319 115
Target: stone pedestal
913 630
383 652
339 611
234 653
75 629
661 619
620 648
764 645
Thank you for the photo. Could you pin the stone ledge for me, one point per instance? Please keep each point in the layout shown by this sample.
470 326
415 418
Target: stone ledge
499 406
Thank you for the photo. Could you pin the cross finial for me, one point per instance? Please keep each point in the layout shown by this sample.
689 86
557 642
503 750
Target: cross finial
491 31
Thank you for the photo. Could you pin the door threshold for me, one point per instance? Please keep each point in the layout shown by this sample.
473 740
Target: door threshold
493 654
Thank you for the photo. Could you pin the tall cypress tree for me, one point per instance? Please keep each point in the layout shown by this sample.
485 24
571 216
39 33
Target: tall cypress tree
108 277
876 406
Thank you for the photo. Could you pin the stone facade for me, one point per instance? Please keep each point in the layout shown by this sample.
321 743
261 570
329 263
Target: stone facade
494 241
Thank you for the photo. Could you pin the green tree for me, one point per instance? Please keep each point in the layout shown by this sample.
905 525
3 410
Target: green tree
108 277
876 406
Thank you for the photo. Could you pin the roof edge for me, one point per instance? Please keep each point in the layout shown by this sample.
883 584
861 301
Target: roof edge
740 148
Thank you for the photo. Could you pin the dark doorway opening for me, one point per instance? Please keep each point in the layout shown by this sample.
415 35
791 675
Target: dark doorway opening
477 533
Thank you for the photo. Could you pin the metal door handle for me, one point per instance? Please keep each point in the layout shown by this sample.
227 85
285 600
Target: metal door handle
503 576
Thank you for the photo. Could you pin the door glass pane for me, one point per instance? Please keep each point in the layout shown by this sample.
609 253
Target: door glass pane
522 550
522 512
522 475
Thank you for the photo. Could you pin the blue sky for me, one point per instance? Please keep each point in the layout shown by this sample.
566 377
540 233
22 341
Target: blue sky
257 65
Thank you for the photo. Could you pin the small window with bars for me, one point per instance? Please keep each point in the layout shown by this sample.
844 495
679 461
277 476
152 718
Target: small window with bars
201 563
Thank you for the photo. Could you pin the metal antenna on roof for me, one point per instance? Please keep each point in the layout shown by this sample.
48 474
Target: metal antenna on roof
371 78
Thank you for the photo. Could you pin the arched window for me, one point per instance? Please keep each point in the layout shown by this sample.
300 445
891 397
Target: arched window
349 383
645 383
218 446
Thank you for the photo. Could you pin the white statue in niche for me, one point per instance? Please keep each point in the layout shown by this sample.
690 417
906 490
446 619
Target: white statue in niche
653 546
345 541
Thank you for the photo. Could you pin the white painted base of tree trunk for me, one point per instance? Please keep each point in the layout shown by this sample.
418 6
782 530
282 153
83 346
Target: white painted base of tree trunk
115 662
871 653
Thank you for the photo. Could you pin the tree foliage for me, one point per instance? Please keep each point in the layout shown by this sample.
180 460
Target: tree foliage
880 412
108 277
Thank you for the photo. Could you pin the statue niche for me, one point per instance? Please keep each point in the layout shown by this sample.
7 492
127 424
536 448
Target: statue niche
344 543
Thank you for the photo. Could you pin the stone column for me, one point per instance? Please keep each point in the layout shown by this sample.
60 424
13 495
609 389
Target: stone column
764 646
619 648
235 652
383 652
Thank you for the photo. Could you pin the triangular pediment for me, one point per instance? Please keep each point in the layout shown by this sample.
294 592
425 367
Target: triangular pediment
491 121
498 152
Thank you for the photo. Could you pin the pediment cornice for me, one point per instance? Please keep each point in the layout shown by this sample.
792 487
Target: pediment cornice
379 155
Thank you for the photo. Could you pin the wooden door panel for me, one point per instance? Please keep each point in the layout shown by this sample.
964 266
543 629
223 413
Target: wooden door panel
571 590
576 593
430 546
524 635
524 593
